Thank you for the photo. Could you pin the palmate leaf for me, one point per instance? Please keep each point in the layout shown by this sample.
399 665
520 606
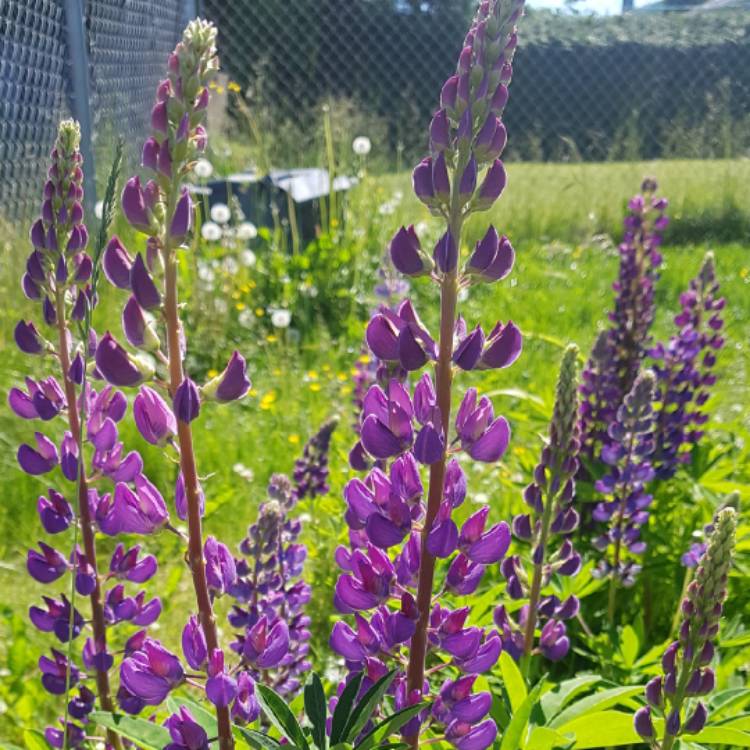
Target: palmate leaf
344 708
513 680
315 708
281 716
604 729
723 736
145 734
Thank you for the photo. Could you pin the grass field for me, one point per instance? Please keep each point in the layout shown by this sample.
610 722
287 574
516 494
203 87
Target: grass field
564 222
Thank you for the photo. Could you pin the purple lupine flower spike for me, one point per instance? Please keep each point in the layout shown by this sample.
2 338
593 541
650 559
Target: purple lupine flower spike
270 600
619 351
550 501
686 662
684 371
626 509
311 469
400 531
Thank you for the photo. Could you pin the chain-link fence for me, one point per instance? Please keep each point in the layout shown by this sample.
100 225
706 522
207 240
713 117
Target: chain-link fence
98 60
643 85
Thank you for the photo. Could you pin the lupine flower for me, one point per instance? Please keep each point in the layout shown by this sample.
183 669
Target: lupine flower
185 732
151 673
549 498
683 369
688 676
619 351
270 602
627 456
311 469
153 417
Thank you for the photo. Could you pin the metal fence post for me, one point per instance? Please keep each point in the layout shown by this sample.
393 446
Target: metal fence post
190 10
80 91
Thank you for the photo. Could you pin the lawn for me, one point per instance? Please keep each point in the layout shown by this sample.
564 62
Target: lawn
564 221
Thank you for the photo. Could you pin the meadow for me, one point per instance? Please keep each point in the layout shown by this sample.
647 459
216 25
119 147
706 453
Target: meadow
564 221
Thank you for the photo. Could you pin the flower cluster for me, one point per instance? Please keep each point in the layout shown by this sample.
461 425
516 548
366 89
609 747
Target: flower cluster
550 499
683 369
311 469
398 529
271 596
626 454
687 674
163 210
617 355
90 456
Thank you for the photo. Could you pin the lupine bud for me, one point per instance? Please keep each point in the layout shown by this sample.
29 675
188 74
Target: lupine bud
134 206
28 339
446 253
643 723
492 186
117 263
182 220
407 254
144 289
187 401
116 365
139 329
422 182
230 385
194 644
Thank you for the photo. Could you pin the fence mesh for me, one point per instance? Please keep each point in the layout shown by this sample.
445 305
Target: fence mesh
32 95
643 85
127 42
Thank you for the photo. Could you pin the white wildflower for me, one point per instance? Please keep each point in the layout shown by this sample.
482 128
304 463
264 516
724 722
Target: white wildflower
281 318
220 213
203 169
210 231
246 231
361 145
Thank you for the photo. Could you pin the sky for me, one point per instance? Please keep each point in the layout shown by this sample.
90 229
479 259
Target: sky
591 6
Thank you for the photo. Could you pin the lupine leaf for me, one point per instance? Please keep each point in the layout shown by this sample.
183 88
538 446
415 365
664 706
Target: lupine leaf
723 736
513 680
604 729
260 741
555 700
280 715
514 732
344 708
364 709
544 738
595 703
144 733
34 740
315 708
388 726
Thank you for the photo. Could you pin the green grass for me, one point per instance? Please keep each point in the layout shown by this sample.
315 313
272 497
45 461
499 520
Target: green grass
562 220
